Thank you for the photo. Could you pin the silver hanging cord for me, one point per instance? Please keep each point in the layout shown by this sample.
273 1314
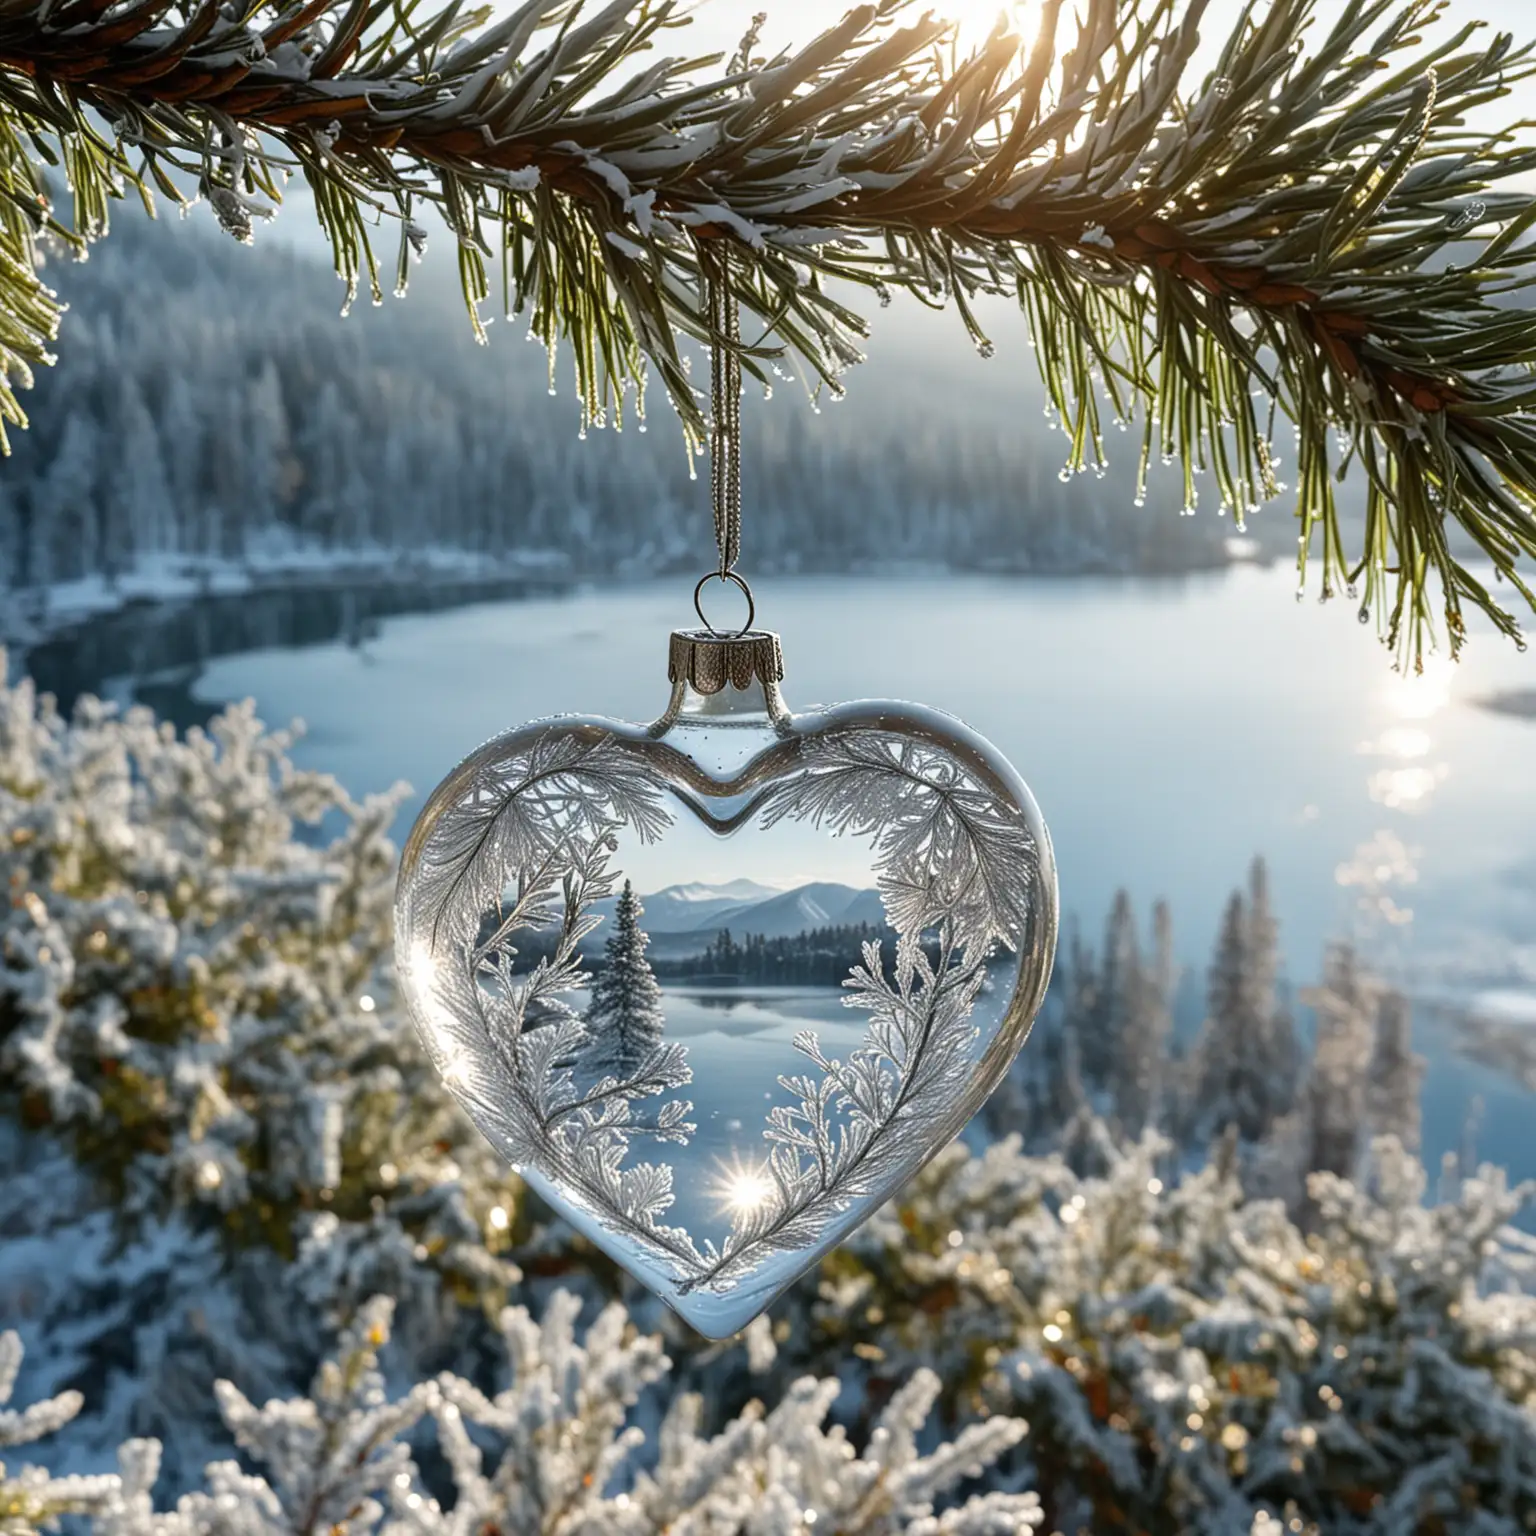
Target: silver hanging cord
725 406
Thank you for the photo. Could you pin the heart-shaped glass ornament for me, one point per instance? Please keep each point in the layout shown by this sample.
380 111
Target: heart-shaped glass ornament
716 987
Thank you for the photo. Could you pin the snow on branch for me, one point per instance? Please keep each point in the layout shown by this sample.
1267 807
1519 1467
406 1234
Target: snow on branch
331 1459
195 999
1189 1358
565 1456
29 1498
1308 228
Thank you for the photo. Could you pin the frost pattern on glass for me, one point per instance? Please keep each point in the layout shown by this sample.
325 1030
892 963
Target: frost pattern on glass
948 861
518 850
894 1092
948 851
543 821
521 814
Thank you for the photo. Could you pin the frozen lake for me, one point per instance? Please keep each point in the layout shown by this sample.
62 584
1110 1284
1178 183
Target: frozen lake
1170 729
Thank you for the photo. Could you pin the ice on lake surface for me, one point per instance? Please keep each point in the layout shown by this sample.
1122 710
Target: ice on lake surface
1170 729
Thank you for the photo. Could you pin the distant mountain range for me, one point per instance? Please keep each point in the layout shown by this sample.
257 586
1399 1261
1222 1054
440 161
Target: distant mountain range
684 919
684 908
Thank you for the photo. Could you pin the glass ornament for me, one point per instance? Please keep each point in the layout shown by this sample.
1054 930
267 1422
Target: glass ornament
717 986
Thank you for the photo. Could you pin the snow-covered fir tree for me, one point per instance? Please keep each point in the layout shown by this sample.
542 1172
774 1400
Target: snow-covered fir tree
1225 1087
1335 1094
1061 1099
1103 1027
1246 1062
1191 1363
1395 1074
212 1109
1138 1069
1102 1045
624 1020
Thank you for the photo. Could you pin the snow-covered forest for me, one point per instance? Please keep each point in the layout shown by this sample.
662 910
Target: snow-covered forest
817 957
181 427
263 1277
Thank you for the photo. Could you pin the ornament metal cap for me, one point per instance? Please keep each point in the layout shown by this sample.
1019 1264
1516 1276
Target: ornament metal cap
707 660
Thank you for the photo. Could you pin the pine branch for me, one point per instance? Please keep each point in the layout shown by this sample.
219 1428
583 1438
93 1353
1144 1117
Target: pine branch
1317 228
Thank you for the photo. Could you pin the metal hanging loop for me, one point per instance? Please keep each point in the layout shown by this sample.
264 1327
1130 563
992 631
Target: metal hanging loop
746 592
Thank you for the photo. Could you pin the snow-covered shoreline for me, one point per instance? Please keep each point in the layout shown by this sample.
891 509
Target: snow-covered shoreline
72 636
31 614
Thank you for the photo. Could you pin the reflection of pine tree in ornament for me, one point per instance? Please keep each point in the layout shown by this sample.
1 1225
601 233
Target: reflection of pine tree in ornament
624 1021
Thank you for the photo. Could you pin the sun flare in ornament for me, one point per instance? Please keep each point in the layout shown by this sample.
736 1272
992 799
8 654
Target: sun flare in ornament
741 1187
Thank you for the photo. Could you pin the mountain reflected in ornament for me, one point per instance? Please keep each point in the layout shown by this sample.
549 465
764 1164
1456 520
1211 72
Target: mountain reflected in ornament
716 1081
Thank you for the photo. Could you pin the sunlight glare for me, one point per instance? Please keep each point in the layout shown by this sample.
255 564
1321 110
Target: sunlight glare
421 967
1417 696
742 1187
1405 789
977 18
1400 741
